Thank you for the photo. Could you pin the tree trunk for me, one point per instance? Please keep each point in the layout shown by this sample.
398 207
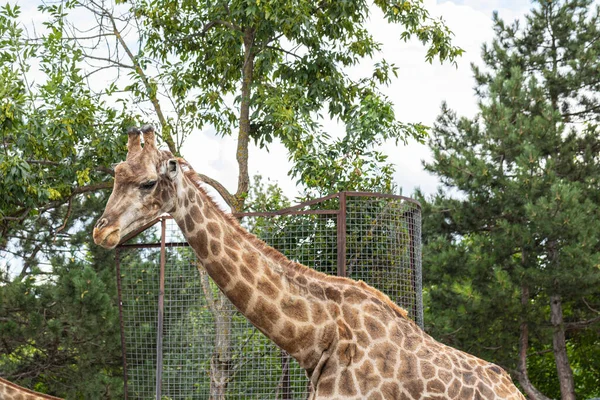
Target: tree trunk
244 132
522 375
221 362
565 374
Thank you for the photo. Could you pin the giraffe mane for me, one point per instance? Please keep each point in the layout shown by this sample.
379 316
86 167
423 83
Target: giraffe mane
279 257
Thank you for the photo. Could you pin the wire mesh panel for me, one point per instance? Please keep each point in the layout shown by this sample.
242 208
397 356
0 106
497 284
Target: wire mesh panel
204 347
383 248
139 288
309 239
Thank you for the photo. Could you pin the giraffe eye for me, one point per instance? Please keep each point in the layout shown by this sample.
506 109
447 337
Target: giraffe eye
148 185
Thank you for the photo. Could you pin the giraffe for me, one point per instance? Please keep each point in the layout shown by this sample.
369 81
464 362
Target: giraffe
11 391
352 340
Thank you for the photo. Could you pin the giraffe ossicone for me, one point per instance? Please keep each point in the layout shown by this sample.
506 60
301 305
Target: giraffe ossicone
351 339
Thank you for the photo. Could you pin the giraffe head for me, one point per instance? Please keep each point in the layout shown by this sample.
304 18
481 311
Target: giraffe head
144 189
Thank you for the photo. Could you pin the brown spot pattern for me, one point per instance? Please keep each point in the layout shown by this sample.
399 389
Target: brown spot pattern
247 274
215 247
273 277
266 314
326 387
354 296
411 342
267 288
240 295
385 355
485 391
454 388
316 290
319 315
196 214
231 242
346 385
427 369
232 254
301 280
390 390
375 329
466 392
304 339
295 308
415 388
219 274
445 376
333 294
213 229
367 377
408 366
436 386
199 243
351 316
189 224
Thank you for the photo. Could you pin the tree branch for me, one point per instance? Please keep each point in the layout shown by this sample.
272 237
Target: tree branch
228 197
63 226
92 188
282 50
108 60
216 22
571 326
166 135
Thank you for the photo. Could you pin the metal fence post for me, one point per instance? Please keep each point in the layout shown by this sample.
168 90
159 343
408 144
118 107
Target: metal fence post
121 323
341 236
161 306
415 264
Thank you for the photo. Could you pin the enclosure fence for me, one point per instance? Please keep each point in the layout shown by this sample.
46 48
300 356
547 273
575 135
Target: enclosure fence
182 339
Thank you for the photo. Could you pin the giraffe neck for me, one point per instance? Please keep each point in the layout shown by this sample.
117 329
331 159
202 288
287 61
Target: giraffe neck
262 284
10 391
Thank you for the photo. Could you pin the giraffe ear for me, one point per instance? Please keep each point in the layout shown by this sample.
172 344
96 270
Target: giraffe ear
172 168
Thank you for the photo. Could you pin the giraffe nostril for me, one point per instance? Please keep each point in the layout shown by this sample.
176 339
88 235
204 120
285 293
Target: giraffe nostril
101 223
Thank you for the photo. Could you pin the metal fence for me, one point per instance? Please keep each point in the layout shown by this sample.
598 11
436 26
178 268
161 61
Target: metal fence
183 340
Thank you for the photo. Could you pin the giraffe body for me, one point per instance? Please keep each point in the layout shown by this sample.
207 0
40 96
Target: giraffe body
351 339
12 391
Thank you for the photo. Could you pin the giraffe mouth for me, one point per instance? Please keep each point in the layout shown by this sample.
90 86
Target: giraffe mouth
107 238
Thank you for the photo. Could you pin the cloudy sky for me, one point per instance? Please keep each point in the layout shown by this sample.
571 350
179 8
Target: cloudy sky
417 94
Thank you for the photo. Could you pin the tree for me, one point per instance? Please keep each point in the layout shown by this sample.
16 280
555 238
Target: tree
57 140
270 68
514 255
58 324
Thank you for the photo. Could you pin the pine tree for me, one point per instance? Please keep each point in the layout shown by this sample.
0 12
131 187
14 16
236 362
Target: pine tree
513 255
59 326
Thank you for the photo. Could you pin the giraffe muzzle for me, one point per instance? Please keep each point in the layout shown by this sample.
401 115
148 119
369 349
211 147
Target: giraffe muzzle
105 235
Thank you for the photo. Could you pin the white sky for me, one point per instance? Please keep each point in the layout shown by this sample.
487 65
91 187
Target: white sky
417 94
